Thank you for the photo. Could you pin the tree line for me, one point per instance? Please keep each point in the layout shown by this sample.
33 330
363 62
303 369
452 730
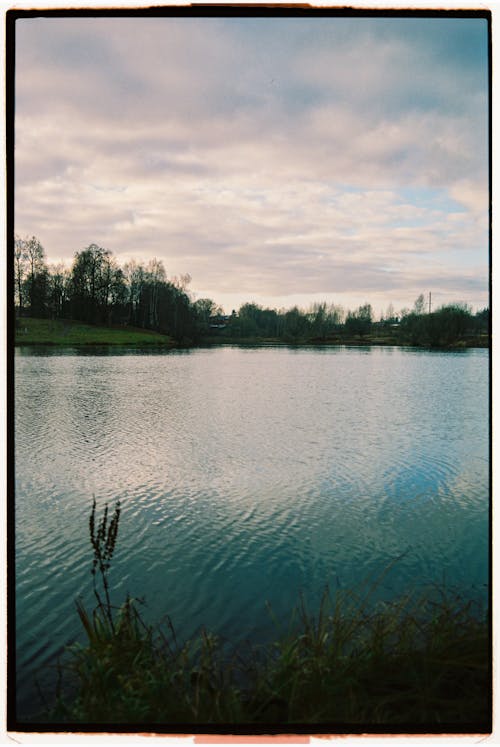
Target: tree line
97 290
324 322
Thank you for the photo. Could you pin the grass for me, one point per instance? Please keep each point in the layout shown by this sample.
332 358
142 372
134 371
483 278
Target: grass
31 331
420 660
411 663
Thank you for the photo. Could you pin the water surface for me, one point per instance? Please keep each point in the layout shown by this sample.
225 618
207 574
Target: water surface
244 475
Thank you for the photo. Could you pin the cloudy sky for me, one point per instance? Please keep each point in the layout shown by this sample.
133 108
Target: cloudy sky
276 160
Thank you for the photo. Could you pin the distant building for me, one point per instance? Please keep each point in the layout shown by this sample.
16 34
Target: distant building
218 322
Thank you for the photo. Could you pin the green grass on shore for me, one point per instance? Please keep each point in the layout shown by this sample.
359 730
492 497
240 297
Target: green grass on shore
30 331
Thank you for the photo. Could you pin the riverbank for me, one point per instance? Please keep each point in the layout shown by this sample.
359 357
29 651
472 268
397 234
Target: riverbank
415 663
65 332
421 659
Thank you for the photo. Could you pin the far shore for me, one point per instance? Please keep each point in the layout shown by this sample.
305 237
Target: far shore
68 333
368 341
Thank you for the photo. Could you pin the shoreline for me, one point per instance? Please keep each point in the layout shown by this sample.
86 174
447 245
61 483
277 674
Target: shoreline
391 655
460 345
69 333
172 345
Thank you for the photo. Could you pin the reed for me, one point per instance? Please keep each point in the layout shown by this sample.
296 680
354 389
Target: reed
419 660
103 541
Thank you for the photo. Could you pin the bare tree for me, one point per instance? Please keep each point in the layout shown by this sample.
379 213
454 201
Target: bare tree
20 271
419 305
36 281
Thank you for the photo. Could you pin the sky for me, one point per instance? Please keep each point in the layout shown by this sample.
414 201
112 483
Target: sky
276 160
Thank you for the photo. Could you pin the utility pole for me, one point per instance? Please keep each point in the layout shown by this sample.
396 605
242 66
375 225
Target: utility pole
430 302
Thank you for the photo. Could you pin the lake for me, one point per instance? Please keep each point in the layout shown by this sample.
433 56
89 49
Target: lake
244 475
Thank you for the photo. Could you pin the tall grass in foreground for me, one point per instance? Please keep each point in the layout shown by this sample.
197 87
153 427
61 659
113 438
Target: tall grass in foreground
421 661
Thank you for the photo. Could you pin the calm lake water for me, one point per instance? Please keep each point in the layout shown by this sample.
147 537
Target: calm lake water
245 475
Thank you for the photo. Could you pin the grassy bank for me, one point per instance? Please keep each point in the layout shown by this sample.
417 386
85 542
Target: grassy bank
411 662
30 331
422 660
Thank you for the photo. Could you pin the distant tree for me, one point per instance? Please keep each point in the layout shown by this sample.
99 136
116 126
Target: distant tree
359 322
336 315
91 280
117 295
319 321
205 309
366 313
482 321
272 322
176 315
443 327
419 305
20 271
135 276
324 319
296 324
36 281
413 328
249 316
390 314
254 320
155 277
351 325
449 324
59 290
156 303
181 282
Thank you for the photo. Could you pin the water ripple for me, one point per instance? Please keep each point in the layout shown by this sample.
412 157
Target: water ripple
244 475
